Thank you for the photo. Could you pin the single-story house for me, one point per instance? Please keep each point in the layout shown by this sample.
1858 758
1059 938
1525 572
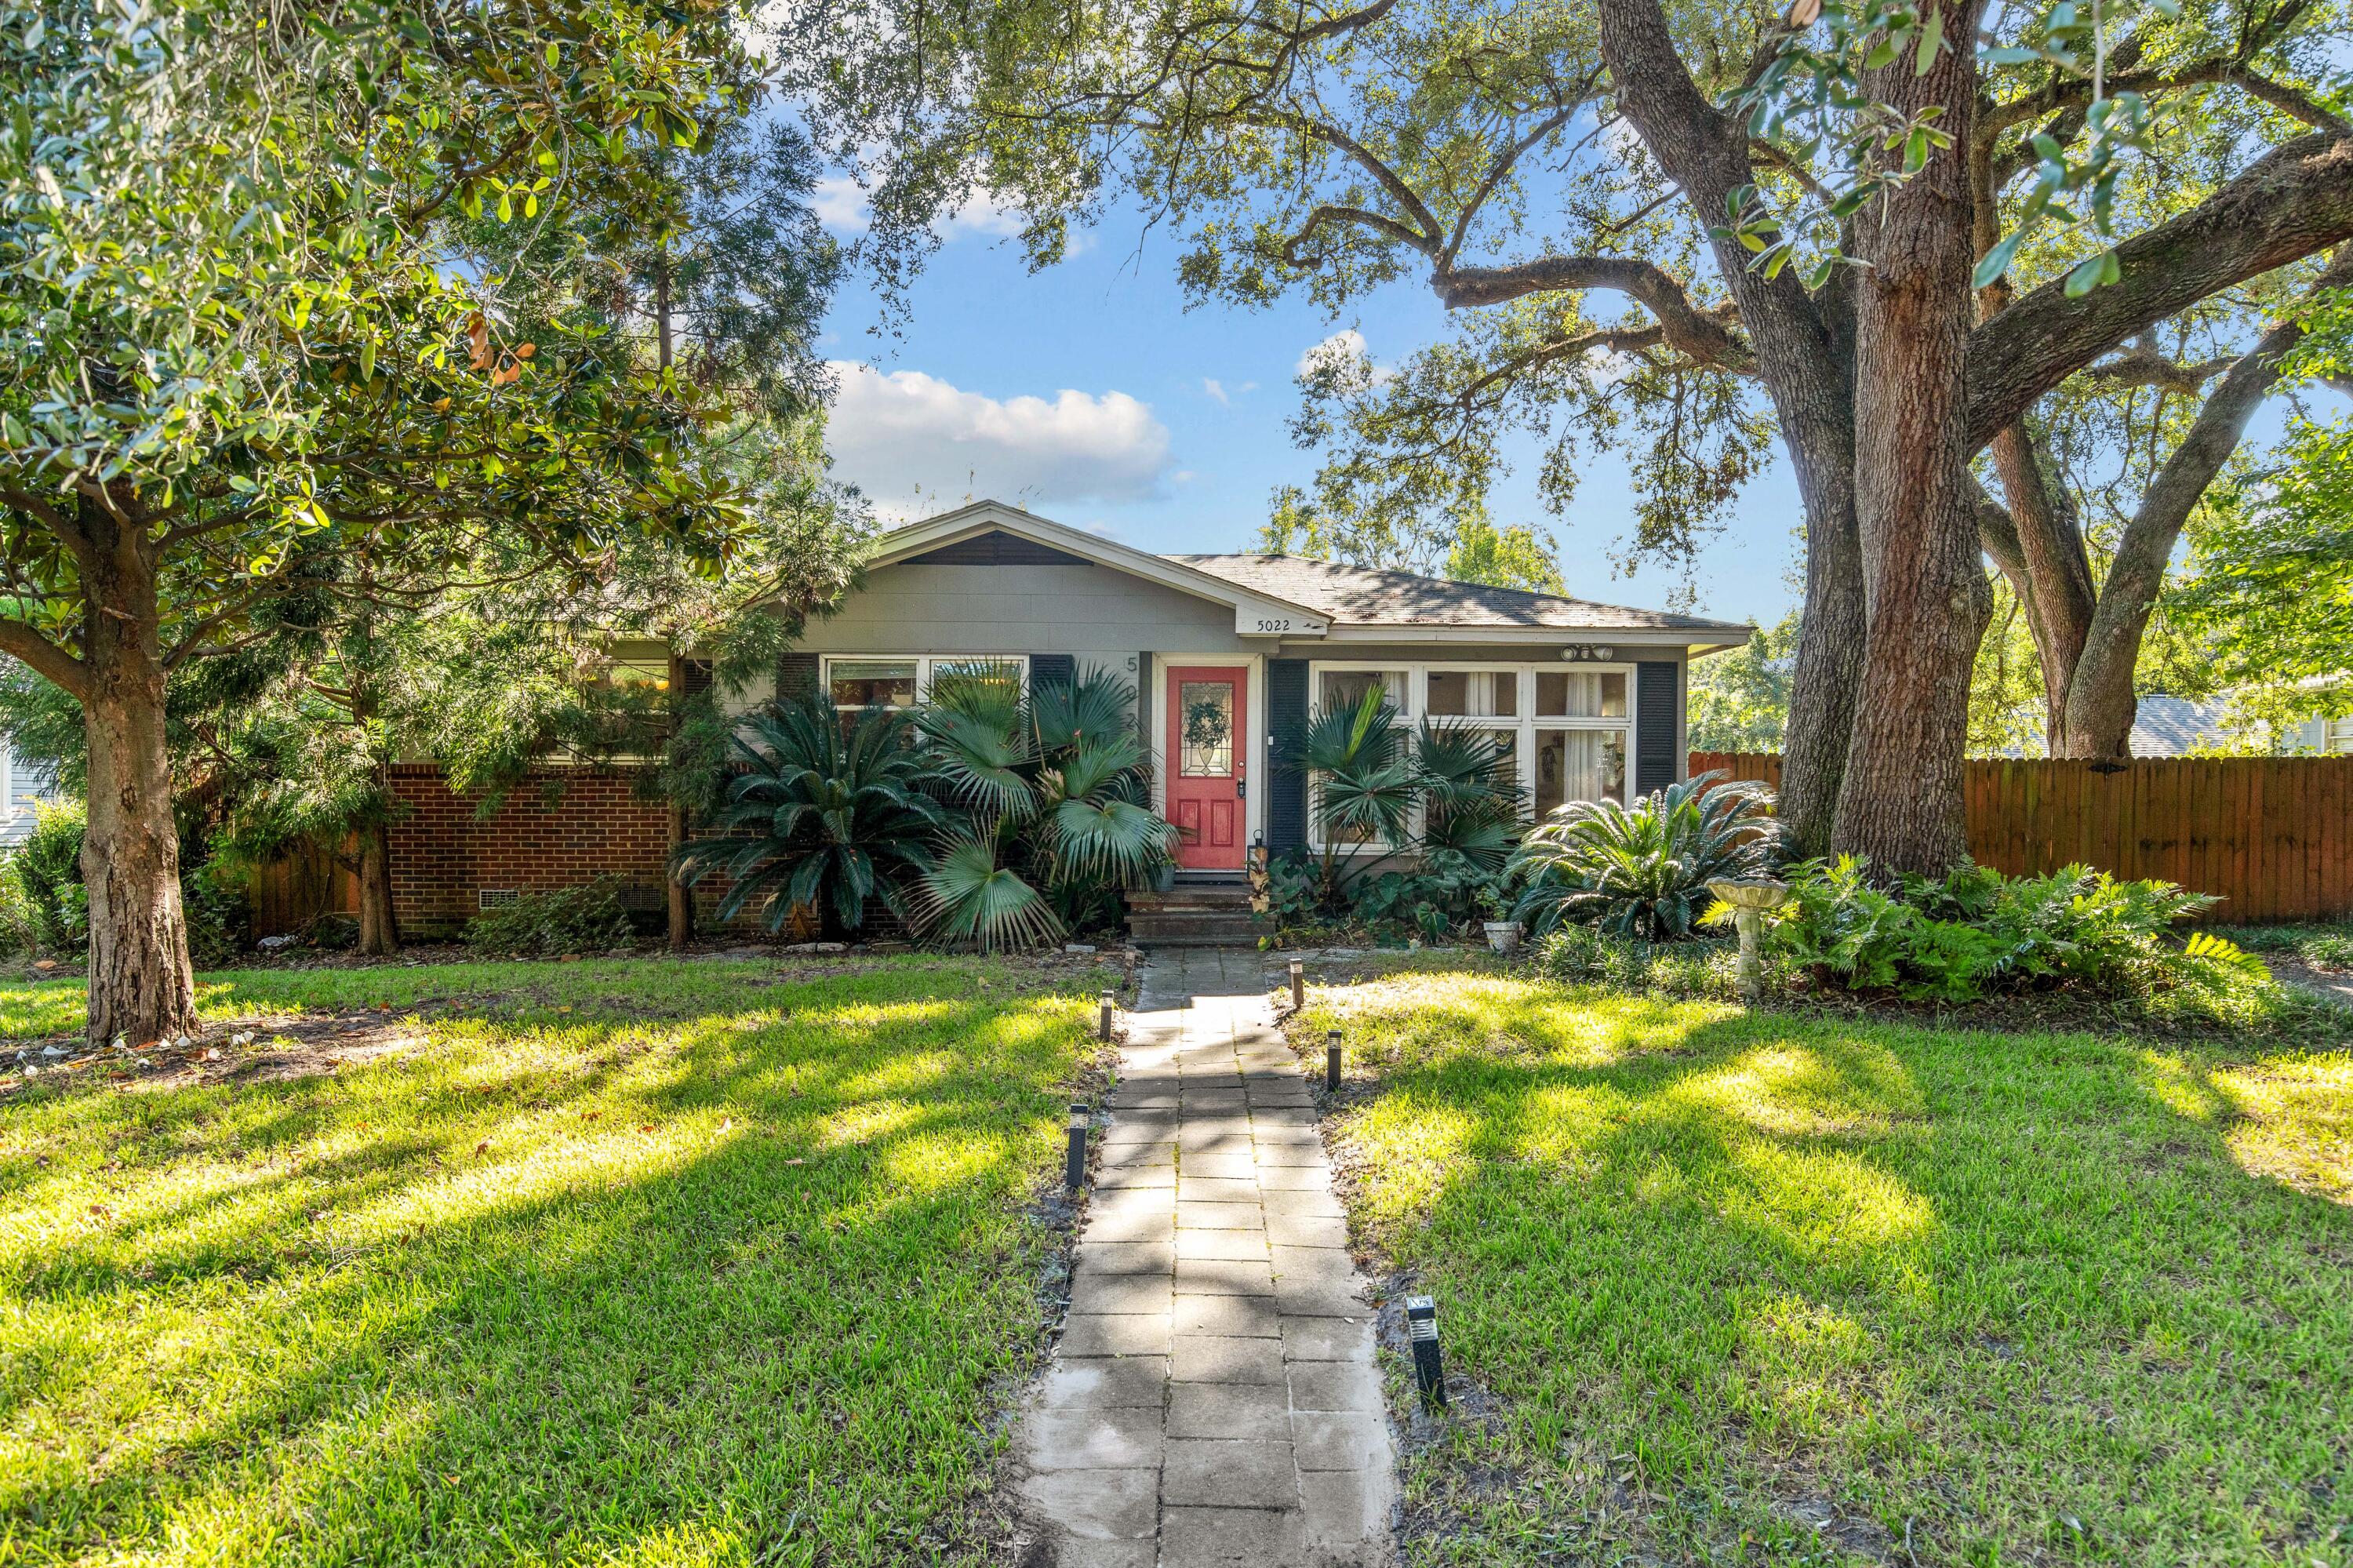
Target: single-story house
1230 652
24 783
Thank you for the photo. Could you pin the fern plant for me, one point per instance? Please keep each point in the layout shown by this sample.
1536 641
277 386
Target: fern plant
1642 870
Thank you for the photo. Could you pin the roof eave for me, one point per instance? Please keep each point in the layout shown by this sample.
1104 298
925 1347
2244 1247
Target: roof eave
985 516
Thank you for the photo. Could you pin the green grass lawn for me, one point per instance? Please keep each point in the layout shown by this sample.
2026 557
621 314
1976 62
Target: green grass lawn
616 1263
1750 1289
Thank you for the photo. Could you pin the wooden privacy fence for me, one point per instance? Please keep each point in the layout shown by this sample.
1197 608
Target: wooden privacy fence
291 891
2271 835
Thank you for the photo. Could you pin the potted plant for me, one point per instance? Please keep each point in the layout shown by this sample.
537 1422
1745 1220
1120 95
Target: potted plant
1502 931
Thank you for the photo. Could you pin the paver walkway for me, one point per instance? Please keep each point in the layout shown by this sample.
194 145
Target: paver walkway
1215 1400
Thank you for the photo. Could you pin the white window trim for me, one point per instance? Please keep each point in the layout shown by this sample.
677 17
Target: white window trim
923 663
1524 720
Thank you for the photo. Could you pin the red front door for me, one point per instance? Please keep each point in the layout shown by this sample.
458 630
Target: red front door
1209 751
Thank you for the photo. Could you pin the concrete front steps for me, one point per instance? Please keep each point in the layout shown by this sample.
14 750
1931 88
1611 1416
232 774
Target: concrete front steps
1193 915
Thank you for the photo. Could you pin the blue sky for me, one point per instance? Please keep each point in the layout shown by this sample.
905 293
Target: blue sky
1084 393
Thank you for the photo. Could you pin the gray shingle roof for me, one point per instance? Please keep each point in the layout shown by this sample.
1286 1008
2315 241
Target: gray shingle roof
1367 596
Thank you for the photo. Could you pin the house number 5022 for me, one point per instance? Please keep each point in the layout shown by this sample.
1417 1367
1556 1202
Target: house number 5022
1267 624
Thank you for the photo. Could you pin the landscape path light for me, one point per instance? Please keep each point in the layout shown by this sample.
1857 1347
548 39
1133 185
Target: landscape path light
1332 1061
1422 1333
1749 900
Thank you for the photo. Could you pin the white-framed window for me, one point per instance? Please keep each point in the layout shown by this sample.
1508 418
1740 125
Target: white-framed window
1567 729
855 680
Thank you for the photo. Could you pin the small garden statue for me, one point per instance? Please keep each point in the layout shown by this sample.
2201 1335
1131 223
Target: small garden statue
1749 900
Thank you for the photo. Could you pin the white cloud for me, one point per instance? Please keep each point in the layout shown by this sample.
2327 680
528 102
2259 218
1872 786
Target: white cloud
1216 390
840 203
916 444
1346 343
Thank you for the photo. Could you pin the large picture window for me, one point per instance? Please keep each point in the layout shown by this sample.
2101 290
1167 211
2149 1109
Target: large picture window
1567 731
901 681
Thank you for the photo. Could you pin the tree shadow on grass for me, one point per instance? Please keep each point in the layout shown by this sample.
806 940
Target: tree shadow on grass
744 1278
1973 1285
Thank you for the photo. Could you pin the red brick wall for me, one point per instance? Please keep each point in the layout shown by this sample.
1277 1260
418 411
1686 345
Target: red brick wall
443 853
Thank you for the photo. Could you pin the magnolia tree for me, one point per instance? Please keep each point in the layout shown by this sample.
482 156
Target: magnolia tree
1880 233
242 337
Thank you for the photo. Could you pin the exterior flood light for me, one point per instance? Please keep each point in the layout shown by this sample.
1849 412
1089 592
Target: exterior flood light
1332 1061
1074 1172
1421 1332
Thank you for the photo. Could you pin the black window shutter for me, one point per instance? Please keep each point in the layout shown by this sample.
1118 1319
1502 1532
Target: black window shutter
1656 695
1143 701
1286 735
796 676
1053 670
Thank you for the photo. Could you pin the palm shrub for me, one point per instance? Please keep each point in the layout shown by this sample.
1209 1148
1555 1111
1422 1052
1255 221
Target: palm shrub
1052 810
1442 792
1642 870
827 812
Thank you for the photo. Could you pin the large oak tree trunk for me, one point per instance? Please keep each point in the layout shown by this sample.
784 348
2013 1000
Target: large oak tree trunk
1804 355
141 985
1900 802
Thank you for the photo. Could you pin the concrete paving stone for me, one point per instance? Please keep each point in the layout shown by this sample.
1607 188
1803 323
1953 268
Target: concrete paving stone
1286 1099
1093 1294
1215 1096
1192 1189
1110 1438
1097 1505
1094 1381
1117 1334
1346 1509
1104 1555
1250 1316
1230 1537
1295 1178
1128 1258
1142 1127
1250 1410
1334 1385
1305 1203
1329 1263
1322 1338
1133 1200
1278 1156
1221 1143
1220 1167
1248 1245
1226 1358
1312 1298
1228 1473
1121 1156
1220 1216
1339 1439
1224 1277
1120 1177
1136 1224
1303 1230
1270 1127
1298 1118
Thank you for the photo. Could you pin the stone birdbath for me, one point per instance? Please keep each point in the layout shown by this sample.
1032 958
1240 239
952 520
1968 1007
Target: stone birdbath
1749 900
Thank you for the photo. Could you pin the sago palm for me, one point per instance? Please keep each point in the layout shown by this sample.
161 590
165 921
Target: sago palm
827 813
1642 870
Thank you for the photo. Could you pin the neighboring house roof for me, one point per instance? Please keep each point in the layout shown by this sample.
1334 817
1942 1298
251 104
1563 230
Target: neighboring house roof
2175 726
1367 596
1293 597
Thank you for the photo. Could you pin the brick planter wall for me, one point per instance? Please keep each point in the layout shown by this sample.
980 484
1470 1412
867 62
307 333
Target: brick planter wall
558 829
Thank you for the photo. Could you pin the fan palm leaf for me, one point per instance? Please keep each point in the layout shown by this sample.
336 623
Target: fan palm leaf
967 896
